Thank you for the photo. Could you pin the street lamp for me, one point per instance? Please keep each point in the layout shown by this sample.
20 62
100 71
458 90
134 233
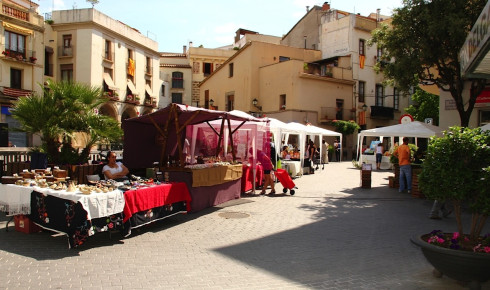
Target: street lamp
211 102
364 107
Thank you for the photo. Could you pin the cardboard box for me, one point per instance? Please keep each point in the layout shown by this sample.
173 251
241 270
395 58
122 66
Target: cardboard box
25 225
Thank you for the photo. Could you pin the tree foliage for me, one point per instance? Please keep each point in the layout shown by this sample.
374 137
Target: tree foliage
422 46
454 171
63 110
426 105
345 127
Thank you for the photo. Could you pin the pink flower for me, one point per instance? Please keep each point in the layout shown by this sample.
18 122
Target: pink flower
455 236
486 249
440 240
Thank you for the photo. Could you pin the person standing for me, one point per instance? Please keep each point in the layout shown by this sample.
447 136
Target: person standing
379 155
337 147
404 156
311 155
324 152
268 167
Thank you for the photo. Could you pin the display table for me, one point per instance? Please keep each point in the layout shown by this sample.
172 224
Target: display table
213 193
292 167
247 177
371 159
79 216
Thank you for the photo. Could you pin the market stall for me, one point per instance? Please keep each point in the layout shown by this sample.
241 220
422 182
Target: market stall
189 142
80 215
413 129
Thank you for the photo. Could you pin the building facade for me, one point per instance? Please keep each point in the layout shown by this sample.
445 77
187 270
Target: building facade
176 75
279 81
87 46
21 62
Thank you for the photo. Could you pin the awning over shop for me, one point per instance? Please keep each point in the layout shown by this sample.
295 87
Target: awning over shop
132 88
109 82
18 29
149 91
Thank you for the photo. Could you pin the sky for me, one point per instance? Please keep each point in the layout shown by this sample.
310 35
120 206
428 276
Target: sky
211 23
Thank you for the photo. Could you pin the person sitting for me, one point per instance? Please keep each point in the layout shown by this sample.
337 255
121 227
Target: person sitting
113 169
285 153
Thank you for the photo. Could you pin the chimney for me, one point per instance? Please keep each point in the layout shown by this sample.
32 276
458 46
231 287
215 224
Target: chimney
185 49
325 6
190 43
307 9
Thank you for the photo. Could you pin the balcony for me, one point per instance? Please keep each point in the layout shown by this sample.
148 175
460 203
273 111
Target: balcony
15 93
328 114
65 51
22 56
379 112
15 13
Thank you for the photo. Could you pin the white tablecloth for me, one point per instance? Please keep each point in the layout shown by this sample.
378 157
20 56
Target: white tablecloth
371 159
293 167
16 199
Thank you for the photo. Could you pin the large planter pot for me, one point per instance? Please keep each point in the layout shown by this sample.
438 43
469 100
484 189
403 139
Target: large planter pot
459 265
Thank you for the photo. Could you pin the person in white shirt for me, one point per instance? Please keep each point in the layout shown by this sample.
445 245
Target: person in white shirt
114 170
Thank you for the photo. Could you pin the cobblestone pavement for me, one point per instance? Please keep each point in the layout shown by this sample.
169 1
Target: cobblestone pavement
331 234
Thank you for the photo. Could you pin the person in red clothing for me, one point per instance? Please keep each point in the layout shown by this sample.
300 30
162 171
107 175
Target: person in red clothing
404 160
268 167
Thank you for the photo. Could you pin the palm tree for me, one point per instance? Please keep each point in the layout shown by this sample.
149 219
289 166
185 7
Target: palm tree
66 108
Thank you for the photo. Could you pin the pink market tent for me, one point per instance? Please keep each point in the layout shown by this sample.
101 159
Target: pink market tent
153 137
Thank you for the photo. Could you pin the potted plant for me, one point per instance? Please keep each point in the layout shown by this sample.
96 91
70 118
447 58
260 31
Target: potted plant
32 59
456 170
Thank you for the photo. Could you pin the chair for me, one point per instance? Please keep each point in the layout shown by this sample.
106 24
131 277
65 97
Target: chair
93 178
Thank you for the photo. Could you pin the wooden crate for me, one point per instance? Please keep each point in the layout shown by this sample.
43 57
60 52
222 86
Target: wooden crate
366 178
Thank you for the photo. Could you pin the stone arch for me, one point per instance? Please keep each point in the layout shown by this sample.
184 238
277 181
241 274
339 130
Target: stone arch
109 110
147 111
128 112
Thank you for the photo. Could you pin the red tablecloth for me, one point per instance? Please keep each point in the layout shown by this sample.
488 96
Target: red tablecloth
247 177
151 197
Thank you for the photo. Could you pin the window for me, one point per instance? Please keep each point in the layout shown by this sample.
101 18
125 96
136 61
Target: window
396 99
67 41
340 109
362 86
15 45
206 99
177 98
177 80
148 65
484 117
163 90
230 102
195 67
207 68
362 47
15 78
108 50
48 61
379 95
230 66
282 102
283 58
131 65
66 72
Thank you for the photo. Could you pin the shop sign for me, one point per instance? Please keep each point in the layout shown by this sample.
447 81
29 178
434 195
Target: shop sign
450 105
475 41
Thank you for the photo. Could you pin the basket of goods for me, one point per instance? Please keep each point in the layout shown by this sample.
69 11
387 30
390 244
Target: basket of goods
59 173
10 179
27 175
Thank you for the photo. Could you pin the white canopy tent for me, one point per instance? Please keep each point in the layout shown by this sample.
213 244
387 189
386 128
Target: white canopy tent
413 129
